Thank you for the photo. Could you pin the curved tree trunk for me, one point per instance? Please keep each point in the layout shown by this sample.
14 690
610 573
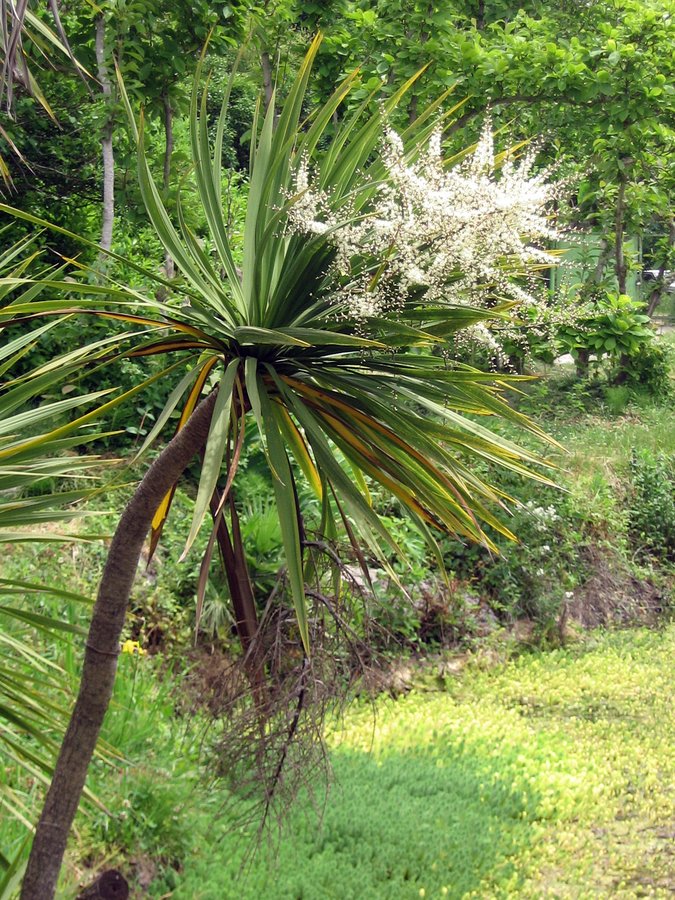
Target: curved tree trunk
102 649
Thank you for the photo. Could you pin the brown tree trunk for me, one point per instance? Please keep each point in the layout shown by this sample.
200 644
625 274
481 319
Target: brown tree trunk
100 661
236 571
412 109
661 282
603 258
108 212
620 264
582 363
169 267
268 81
243 600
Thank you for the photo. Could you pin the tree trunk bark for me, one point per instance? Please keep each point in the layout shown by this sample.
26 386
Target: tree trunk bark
603 258
236 572
412 110
660 288
169 266
621 267
268 82
243 601
582 363
108 212
102 649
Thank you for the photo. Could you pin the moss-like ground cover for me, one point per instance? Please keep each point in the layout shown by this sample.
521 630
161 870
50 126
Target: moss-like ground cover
551 776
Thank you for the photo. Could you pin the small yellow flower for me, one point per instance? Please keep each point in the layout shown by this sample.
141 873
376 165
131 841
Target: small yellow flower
133 647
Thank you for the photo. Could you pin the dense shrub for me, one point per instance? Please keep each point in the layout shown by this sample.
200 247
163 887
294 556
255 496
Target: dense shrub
652 504
648 371
616 327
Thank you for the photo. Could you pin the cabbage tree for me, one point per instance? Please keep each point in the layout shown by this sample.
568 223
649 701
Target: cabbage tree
365 253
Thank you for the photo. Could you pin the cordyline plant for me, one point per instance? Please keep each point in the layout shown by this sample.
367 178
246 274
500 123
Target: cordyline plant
363 254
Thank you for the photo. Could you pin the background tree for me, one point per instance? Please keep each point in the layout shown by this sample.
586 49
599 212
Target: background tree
597 78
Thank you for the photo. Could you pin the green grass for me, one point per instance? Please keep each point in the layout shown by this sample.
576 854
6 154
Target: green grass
549 776
607 442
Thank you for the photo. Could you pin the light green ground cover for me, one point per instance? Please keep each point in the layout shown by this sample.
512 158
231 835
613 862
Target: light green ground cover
550 776
599 442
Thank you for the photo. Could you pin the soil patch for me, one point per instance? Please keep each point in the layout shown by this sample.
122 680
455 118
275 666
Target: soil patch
612 596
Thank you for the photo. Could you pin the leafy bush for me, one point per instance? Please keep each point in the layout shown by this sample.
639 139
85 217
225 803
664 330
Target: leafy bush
648 371
529 578
652 504
616 328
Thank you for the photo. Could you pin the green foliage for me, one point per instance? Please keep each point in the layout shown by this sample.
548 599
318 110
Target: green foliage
56 175
615 327
599 77
617 398
151 794
556 759
649 371
241 106
36 471
530 578
651 504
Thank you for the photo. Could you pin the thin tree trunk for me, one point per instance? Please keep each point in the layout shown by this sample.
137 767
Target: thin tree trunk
268 81
661 284
108 213
412 109
621 266
243 600
239 582
169 267
100 661
582 363
603 258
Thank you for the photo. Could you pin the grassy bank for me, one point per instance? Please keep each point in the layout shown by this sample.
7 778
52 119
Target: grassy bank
551 775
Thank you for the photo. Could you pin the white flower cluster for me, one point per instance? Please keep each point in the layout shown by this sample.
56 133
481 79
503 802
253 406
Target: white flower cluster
451 234
545 516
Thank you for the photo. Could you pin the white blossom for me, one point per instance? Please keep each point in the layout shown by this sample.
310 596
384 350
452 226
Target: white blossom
458 233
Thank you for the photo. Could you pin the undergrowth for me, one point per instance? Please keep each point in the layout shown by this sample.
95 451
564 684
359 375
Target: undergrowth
550 775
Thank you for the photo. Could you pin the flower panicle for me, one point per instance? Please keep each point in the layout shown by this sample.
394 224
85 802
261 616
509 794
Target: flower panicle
457 233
